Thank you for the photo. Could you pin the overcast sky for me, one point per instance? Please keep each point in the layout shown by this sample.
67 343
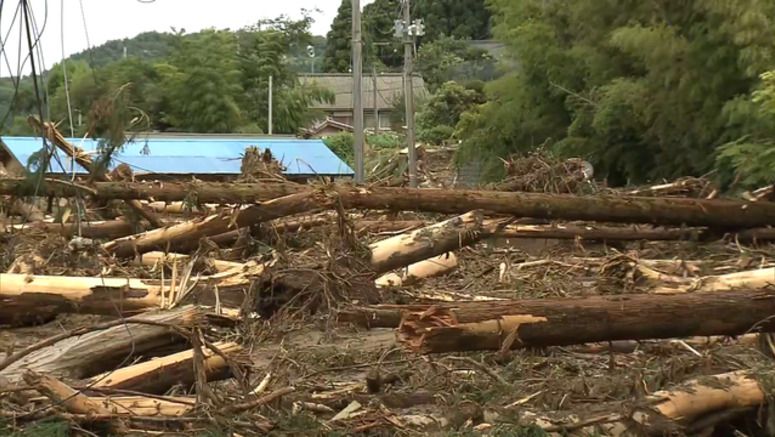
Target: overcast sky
115 19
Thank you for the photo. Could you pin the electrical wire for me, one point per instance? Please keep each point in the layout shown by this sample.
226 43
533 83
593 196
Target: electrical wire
64 69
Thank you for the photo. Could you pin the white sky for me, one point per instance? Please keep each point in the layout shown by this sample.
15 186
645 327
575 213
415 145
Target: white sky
116 19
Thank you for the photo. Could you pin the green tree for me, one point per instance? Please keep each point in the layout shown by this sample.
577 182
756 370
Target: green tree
338 45
381 46
448 59
749 162
442 111
643 90
265 52
204 84
460 19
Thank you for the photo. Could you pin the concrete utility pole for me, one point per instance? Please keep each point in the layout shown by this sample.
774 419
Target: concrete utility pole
270 105
409 92
358 137
376 105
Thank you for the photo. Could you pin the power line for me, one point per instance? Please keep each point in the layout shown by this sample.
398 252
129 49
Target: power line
64 68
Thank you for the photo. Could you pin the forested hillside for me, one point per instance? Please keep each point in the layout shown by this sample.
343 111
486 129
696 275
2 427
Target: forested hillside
210 81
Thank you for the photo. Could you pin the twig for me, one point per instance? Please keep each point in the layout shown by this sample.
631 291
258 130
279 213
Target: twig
483 368
244 406
584 423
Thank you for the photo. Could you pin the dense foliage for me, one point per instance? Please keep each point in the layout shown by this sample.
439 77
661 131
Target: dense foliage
450 19
644 90
460 19
448 59
210 81
441 112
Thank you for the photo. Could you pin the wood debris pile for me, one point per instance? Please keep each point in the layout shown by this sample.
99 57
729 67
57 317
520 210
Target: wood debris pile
539 172
269 306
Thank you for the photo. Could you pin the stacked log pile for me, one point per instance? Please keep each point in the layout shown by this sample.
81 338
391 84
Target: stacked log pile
185 295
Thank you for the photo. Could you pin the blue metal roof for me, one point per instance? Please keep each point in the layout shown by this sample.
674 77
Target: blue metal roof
210 155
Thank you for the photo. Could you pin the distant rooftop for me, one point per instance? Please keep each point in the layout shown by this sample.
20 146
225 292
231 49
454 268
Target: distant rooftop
390 86
181 154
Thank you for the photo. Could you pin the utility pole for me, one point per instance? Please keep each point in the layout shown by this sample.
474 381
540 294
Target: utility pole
270 105
376 105
409 31
358 137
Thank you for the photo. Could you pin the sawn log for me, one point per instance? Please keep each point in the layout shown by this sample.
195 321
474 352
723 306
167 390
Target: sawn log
621 209
169 237
501 325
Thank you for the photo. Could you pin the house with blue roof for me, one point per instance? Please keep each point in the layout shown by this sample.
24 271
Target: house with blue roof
166 156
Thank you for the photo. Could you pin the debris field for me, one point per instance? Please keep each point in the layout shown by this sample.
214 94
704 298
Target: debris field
544 305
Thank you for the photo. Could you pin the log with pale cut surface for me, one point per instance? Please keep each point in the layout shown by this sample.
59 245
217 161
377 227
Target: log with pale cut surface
405 249
158 375
500 325
186 232
420 270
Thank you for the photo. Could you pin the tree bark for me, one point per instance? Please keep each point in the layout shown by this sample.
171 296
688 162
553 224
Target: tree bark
89 354
624 209
25 294
161 192
84 160
673 411
447 236
558 322
620 209
420 270
599 233
95 230
699 397
160 374
169 237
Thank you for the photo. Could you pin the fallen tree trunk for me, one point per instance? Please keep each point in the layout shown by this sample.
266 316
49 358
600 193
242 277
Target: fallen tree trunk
169 237
160 374
447 236
624 209
86 355
676 411
50 131
696 398
95 230
161 192
598 233
418 271
22 294
620 209
103 408
670 284
557 322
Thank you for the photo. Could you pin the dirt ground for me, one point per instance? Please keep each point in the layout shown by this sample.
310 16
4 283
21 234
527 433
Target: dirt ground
334 367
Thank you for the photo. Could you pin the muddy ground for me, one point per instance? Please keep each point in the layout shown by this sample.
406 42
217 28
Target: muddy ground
333 366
